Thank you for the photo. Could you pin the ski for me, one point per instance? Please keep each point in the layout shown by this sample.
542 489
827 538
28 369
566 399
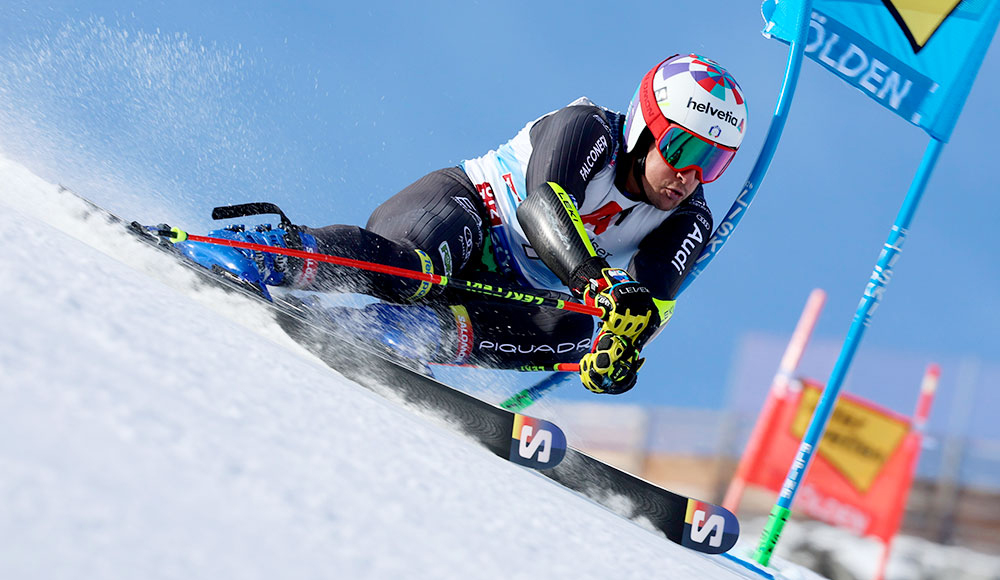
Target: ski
694 524
524 440
521 439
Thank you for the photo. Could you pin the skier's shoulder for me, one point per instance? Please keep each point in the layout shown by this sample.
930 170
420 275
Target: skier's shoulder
579 139
584 106
579 115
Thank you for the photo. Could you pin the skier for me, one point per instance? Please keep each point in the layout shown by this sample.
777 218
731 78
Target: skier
606 206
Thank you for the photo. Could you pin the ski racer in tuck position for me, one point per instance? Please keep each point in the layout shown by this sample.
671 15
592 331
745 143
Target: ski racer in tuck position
605 206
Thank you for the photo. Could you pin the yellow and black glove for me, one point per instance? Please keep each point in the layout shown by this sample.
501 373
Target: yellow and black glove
628 306
612 365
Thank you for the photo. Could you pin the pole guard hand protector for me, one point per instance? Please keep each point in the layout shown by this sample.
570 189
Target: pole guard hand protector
627 306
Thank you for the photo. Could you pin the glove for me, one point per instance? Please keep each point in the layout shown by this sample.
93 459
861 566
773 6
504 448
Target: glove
628 307
611 366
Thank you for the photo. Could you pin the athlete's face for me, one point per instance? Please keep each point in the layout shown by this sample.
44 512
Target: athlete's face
665 187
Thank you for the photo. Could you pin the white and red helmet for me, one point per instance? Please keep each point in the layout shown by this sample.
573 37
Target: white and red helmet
689 96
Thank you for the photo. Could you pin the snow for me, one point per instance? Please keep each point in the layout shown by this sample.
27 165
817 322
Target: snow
151 430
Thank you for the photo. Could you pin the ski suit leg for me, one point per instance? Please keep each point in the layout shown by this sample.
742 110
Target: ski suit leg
509 335
435 224
442 216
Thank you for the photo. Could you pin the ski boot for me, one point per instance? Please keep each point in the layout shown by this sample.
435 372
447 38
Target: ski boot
408 335
257 269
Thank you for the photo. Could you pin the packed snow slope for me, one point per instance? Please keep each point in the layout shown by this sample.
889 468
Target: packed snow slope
151 430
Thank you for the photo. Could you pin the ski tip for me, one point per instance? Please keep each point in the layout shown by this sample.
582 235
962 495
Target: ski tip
709 528
536 443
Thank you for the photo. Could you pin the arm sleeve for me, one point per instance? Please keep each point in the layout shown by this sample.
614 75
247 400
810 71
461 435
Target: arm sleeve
668 253
568 148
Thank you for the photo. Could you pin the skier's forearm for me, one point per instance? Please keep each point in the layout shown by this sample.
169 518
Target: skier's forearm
553 226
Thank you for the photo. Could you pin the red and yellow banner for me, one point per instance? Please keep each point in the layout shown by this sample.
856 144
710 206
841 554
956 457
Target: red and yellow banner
863 465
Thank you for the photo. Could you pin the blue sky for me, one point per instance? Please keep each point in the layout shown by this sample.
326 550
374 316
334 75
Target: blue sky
164 109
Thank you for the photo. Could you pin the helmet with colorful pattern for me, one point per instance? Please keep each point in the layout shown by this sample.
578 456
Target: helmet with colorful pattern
695 112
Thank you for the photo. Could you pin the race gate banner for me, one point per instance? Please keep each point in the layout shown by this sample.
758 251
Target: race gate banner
862 469
918 58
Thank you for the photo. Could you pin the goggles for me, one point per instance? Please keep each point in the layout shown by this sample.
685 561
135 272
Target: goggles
680 148
684 150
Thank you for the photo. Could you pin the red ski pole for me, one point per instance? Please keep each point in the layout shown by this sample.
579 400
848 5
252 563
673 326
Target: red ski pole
179 235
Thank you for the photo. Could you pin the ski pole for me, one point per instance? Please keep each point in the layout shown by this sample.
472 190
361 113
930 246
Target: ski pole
558 367
178 235
524 398
552 368
518 401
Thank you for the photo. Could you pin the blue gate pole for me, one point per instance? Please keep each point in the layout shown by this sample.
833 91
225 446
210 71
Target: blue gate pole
770 146
874 291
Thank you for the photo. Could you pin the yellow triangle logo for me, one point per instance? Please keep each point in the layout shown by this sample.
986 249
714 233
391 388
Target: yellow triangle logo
920 19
